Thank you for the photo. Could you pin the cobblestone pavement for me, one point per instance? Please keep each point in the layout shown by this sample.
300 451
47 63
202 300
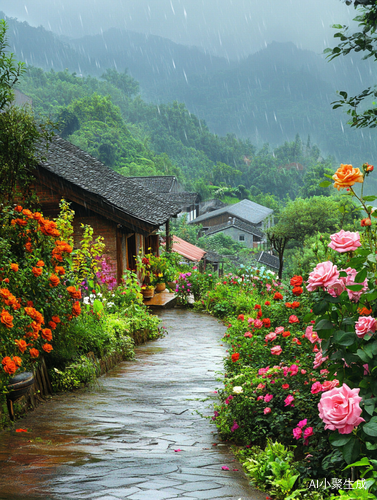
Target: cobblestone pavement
120 439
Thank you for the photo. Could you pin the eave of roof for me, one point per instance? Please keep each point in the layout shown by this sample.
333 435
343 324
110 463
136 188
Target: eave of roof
105 187
241 210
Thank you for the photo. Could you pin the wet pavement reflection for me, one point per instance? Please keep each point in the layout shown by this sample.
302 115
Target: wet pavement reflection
120 438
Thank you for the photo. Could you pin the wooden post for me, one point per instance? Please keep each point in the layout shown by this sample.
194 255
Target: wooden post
168 241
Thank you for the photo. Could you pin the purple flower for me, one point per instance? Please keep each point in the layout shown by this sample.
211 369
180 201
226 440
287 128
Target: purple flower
234 427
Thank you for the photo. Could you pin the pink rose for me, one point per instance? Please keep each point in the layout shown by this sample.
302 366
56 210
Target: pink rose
250 320
303 372
261 386
350 280
364 325
323 275
293 319
339 409
288 400
318 360
293 370
268 398
248 334
310 335
366 369
279 329
263 371
270 336
259 398
330 384
276 350
324 372
308 432
336 288
267 410
316 387
258 323
302 423
345 241
297 433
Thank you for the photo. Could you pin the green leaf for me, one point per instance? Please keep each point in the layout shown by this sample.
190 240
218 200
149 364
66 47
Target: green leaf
369 198
323 324
360 277
320 307
325 184
344 338
343 274
337 439
371 446
363 356
363 461
97 306
368 348
355 288
351 451
370 296
372 258
370 428
308 317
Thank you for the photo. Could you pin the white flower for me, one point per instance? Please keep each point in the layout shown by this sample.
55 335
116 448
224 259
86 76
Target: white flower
237 389
110 304
86 300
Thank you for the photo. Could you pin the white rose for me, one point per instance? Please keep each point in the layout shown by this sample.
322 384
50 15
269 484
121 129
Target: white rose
237 390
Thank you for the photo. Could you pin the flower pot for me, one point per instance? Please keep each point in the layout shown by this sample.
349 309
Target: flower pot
20 385
160 287
147 294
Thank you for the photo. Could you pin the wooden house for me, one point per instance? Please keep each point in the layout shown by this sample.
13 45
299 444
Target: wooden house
127 214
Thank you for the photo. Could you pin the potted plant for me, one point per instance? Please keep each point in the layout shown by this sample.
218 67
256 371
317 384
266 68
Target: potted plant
147 291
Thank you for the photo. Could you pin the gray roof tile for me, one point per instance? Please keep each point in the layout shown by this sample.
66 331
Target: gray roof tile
246 210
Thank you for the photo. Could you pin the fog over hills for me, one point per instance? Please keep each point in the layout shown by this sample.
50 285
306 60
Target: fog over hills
269 96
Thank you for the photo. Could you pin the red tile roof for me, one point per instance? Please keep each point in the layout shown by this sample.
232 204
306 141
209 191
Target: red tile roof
190 252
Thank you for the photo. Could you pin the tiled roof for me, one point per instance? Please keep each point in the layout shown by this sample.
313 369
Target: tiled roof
83 170
246 210
182 200
267 259
239 224
157 183
187 250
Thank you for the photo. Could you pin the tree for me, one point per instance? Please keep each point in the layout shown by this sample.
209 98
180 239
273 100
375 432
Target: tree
10 71
123 81
305 217
364 40
22 144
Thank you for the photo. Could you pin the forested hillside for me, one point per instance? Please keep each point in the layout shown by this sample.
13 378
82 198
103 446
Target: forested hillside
271 96
104 117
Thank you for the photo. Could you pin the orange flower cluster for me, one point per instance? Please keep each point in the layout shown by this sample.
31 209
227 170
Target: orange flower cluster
60 270
11 365
296 282
364 311
54 280
48 227
14 267
37 271
36 324
47 334
47 347
60 248
292 305
9 299
6 319
34 353
75 294
56 319
76 309
22 345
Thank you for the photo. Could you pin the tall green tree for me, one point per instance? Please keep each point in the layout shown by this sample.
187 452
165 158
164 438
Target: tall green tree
10 70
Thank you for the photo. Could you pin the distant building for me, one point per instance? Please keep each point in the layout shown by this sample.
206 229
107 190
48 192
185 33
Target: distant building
245 222
268 260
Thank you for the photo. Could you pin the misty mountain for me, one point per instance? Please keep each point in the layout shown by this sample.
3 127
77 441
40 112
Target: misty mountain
269 96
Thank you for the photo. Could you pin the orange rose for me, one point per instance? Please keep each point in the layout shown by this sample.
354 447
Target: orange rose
20 222
297 290
76 309
75 294
14 267
28 214
54 280
18 208
295 305
30 303
364 311
296 280
10 368
47 334
37 271
40 263
28 247
286 334
37 216
6 360
17 361
22 345
56 319
6 319
60 270
52 325
346 176
4 293
34 353
47 347
288 304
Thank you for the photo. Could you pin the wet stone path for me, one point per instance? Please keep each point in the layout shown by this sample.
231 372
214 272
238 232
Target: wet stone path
117 440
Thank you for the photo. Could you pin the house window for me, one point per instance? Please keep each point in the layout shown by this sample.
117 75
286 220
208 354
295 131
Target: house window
241 237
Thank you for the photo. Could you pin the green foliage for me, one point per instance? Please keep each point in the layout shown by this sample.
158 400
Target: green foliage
10 71
86 257
74 376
